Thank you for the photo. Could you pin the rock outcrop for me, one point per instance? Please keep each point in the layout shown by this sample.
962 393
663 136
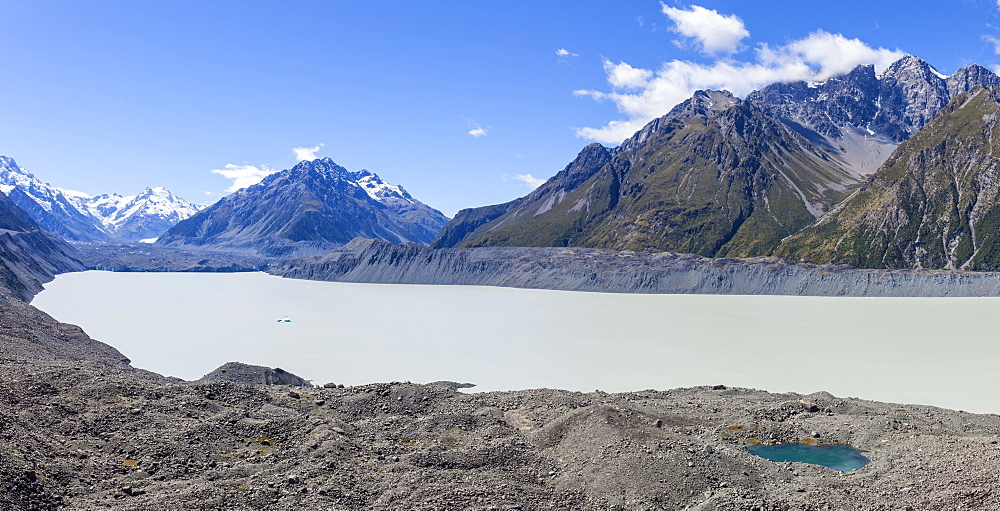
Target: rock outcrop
238 372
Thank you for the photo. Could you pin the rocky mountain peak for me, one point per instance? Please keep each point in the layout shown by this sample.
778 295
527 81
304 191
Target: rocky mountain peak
11 174
968 77
909 65
78 216
704 103
832 108
911 93
6 163
320 164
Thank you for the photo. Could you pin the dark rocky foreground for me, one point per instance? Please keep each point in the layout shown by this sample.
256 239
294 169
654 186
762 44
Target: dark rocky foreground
584 269
89 435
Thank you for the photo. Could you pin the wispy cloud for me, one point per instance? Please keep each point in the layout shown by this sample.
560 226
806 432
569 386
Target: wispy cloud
563 52
645 94
306 153
475 129
75 193
243 175
711 32
526 180
995 41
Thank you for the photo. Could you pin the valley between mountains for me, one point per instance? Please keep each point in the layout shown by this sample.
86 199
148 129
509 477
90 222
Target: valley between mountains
861 185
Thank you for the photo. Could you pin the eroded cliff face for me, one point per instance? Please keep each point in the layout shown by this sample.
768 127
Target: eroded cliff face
582 269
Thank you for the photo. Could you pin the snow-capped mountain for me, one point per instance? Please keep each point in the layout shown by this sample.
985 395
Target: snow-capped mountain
80 217
308 209
146 215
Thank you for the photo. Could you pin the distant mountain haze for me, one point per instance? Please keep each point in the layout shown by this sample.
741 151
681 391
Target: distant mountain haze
78 217
308 210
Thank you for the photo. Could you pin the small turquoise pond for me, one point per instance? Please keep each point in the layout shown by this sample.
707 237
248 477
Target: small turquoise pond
838 457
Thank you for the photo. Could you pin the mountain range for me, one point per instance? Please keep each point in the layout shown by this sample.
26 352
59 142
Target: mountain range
722 177
308 210
80 217
934 204
877 170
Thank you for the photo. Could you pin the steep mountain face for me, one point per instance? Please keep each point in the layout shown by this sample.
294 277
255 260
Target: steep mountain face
29 256
715 176
54 210
470 221
934 204
722 177
309 209
103 218
861 117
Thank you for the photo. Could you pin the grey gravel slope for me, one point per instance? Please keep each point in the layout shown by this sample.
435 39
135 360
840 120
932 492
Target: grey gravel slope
582 269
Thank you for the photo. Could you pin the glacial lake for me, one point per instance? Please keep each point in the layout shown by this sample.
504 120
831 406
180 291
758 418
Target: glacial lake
930 351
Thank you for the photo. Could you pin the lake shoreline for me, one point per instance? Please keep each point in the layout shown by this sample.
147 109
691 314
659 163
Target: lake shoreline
598 270
886 349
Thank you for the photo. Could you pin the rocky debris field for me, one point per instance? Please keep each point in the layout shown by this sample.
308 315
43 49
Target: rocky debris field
148 257
89 435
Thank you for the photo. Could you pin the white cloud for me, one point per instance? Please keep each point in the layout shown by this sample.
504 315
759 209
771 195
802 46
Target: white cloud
528 180
624 76
644 94
243 175
993 40
306 153
75 193
713 32
563 52
475 129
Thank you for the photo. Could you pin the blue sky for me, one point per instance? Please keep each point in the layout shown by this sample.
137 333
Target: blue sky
459 102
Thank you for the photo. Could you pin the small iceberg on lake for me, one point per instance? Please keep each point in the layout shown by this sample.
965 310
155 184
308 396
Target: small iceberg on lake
285 319
841 457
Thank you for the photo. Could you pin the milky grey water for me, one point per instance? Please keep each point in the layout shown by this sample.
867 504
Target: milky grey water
937 351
